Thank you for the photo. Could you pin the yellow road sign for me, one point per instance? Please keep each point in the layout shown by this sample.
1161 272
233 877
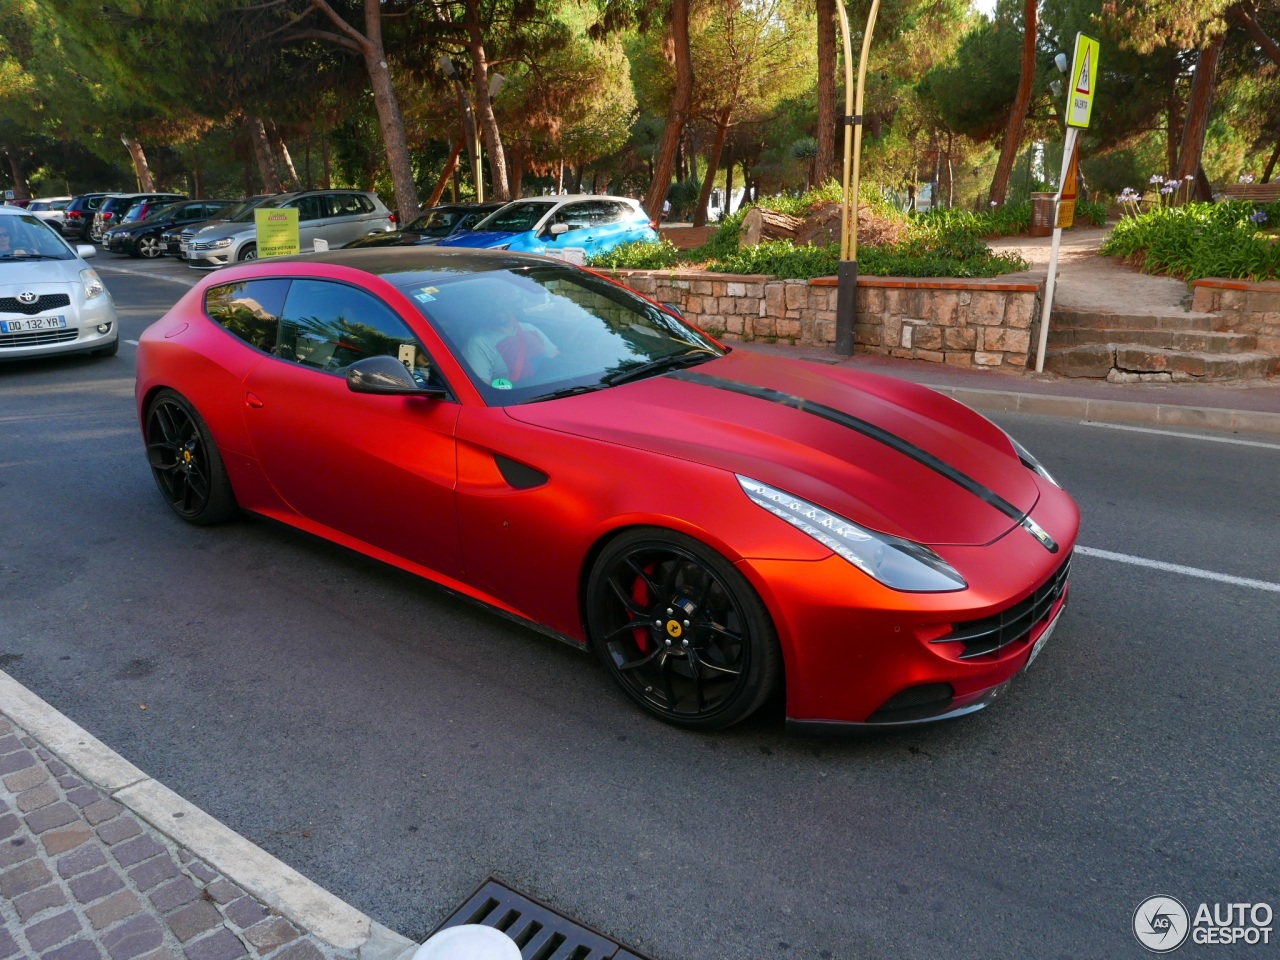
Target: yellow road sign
277 231
1084 80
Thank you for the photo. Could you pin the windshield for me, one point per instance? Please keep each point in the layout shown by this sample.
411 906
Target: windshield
515 217
246 214
27 237
437 223
528 334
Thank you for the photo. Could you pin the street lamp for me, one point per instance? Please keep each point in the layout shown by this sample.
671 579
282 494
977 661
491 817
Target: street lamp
469 121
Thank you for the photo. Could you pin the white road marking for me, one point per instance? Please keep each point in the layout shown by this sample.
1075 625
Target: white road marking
1178 568
134 342
147 274
1175 433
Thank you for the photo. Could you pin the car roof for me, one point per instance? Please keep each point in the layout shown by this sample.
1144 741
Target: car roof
406 265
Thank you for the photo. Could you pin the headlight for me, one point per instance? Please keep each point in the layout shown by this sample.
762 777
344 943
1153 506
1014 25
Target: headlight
1031 463
93 286
899 564
220 243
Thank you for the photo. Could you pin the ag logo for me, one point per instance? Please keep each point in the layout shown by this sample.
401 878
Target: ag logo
1161 924
27 297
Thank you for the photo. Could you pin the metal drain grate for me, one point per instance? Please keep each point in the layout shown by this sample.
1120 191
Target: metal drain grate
540 932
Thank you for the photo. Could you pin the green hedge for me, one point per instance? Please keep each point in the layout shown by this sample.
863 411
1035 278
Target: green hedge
1236 240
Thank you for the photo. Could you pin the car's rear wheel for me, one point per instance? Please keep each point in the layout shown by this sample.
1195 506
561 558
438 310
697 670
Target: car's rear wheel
248 252
680 630
185 461
149 246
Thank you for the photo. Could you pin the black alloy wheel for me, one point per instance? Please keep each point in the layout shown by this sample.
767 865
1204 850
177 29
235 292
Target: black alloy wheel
680 630
149 246
185 461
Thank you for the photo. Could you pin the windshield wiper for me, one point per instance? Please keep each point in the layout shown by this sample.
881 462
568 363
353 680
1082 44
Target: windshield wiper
30 256
566 392
673 361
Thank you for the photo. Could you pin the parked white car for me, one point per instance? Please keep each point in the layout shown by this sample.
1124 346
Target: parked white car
50 209
51 301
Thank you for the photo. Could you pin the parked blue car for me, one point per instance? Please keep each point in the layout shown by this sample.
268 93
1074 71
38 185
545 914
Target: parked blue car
592 224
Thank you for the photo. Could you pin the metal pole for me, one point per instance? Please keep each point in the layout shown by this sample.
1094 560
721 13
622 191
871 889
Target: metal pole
847 279
1068 148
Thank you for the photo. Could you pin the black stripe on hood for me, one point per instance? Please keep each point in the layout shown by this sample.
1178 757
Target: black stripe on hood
879 434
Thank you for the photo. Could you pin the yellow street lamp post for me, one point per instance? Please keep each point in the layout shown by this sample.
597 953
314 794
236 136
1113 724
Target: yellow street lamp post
847 290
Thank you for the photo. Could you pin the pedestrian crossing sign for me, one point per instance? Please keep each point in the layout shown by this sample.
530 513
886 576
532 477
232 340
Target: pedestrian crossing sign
1084 81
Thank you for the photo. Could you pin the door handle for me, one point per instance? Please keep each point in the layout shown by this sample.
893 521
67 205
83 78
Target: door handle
253 400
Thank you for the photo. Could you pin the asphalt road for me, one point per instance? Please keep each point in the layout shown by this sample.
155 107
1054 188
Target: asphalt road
398 745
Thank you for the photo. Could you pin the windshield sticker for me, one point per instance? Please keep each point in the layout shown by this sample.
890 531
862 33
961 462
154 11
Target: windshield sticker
501 384
423 297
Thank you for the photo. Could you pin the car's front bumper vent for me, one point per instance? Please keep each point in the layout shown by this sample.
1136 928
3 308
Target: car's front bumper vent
540 932
50 301
990 635
13 341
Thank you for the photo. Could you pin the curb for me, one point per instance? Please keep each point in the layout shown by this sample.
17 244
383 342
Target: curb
1114 411
271 881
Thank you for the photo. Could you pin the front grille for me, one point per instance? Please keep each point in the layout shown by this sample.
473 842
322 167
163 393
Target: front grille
540 932
992 634
49 301
915 703
12 341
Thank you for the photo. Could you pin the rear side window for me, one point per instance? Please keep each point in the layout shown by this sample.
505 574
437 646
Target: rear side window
250 309
349 204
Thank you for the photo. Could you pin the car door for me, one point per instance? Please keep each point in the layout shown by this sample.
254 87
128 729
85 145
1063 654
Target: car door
378 469
609 225
577 217
312 217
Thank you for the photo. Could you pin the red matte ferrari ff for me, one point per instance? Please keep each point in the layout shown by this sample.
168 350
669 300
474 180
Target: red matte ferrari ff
716 524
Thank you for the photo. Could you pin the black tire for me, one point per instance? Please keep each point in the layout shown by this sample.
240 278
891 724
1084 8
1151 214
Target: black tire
680 630
248 252
185 461
108 351
149 246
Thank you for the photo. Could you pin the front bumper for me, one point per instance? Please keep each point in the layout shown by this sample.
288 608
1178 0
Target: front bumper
80 335
209 259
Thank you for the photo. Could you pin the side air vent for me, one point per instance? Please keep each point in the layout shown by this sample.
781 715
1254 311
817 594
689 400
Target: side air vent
520 475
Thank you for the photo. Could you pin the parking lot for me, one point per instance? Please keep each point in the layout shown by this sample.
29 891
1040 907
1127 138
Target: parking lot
399 745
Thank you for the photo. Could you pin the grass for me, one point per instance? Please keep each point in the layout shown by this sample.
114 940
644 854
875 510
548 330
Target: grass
1235 240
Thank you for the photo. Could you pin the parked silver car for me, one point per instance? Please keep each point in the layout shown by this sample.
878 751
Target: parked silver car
51 301
335 216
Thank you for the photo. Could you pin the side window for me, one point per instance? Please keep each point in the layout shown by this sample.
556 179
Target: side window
606 211
576 215
345 204
310 208
249 309
329 325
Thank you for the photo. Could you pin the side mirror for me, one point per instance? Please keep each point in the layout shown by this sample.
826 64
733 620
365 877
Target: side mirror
386 376
86 250
559 228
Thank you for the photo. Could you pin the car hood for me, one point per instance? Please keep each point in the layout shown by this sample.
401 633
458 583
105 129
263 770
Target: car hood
224 228
891 455
18 276
477 238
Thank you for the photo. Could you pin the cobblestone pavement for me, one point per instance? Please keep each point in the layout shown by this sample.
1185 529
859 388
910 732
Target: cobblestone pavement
82 878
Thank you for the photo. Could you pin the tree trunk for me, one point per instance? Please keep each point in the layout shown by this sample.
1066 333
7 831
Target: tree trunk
713 164
1174 137
145 181
728 185
680 99
1271 164
389 116
824 163
516 184
761 224
20 189
326 161
1199 103
283 150
445 174
577 178
262 150
1013 132
484 109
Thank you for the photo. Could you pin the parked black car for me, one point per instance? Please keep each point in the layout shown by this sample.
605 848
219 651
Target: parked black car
115 207
433 226
80 212
143 238
172 237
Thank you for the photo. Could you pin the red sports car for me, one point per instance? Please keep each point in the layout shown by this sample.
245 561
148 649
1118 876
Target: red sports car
716 524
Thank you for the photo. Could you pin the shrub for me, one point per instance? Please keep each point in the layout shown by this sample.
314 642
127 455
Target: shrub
1201 240
641 255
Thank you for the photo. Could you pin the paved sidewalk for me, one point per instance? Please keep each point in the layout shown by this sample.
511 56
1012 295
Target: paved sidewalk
85 874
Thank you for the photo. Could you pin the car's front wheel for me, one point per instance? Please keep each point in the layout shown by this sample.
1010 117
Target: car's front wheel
248 252
680 630
149 246
185 461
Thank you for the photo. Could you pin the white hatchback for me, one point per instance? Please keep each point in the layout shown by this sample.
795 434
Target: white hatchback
51 301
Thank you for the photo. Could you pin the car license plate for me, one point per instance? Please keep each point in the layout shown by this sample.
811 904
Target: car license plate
35 323
1044 638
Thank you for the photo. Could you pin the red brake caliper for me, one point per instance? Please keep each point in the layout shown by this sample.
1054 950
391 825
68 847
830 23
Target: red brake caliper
640 594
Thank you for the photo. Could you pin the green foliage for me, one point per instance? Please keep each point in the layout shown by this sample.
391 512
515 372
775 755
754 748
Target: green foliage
642 255
1006 221
1201 240
1093 214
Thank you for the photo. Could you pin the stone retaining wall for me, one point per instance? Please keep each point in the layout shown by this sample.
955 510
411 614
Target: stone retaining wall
1243 307
969 323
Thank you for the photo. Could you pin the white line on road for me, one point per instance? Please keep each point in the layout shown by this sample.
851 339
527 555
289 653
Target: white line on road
1174 433
146 274
1178 568
135 342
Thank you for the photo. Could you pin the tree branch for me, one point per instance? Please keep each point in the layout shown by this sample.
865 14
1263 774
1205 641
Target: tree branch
361 41
1244 14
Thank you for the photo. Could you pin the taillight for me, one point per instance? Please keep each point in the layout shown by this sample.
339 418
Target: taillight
393 218
653 224
107 216
73 214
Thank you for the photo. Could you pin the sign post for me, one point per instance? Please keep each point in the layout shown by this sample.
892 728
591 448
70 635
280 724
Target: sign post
1084 79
